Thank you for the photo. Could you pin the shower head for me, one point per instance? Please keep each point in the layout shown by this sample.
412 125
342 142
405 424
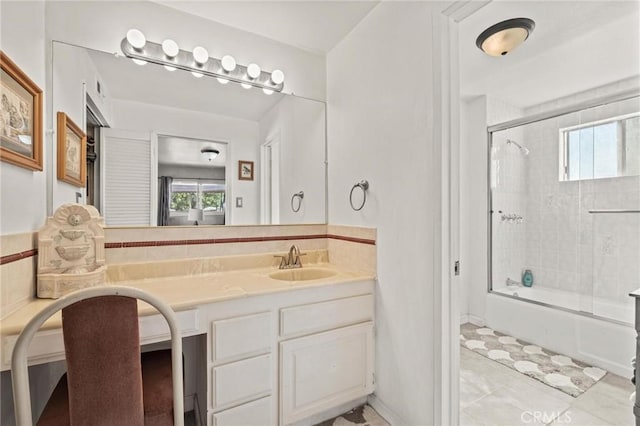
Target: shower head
523 150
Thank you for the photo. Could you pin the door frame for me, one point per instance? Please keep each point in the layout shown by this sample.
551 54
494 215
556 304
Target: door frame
273 142
446 107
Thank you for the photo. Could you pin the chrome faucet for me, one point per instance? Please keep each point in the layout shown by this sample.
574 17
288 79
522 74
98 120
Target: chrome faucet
292 259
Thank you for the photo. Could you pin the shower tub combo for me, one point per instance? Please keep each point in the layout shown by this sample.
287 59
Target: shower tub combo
564 204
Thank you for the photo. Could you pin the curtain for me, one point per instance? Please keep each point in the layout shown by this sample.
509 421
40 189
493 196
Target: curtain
164 200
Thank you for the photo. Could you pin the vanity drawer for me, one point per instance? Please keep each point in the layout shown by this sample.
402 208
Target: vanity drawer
241 337
316 317
241 381
255 413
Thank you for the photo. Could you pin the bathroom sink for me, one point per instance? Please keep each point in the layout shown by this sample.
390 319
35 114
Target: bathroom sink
303 274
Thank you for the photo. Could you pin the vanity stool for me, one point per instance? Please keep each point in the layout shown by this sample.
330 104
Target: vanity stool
107 382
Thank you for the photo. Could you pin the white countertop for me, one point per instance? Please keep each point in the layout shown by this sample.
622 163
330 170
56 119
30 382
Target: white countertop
189 291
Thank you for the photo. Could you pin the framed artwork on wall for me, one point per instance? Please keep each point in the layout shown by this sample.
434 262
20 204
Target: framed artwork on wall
245 170
20 117
72 152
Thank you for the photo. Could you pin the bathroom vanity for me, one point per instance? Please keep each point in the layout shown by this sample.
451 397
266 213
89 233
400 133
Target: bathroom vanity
271 351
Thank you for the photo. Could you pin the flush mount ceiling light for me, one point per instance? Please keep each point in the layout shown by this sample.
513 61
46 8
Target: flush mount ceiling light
505 36
209 153
168 54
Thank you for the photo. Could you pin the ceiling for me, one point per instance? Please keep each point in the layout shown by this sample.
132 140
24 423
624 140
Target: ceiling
153 84
186 152
316 26
575 46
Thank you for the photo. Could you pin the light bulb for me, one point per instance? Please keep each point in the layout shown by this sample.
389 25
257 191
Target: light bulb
200 55
222 80
253 71
170 48
196 74
136 38
277 77
246 86
169 68
139 61
267 91
228 63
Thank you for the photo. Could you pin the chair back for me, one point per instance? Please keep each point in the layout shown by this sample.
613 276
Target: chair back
102 349
103 357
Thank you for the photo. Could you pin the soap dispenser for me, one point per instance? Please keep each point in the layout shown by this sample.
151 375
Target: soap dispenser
527 278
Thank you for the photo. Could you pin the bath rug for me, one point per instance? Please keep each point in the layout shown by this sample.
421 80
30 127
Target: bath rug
556 370
363 416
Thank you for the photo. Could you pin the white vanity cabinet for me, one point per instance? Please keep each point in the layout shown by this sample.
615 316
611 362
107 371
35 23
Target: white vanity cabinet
278 360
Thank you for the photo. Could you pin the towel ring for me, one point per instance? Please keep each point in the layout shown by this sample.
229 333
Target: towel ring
364 186
299 196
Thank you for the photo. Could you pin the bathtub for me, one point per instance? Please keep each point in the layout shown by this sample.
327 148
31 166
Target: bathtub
605 308
596 331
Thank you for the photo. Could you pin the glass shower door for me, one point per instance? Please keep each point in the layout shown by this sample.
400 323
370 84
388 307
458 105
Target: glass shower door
615 210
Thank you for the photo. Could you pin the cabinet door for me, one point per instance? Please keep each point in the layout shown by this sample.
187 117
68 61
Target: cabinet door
324 370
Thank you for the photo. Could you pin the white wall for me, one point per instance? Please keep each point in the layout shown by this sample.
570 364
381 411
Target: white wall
103 25
241 136
23 204
380 128
301 126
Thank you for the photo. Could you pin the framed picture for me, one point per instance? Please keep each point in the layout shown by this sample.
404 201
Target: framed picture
245 170
20 117
72 152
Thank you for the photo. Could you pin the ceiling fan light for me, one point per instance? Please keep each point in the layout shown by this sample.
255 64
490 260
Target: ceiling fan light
209 153
505 36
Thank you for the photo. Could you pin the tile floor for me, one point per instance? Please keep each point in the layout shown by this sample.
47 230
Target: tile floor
494 395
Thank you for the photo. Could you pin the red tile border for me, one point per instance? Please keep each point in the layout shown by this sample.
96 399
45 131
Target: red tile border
131 244
352 239
17 256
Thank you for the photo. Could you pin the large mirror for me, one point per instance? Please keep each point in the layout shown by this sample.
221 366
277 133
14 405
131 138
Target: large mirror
169 148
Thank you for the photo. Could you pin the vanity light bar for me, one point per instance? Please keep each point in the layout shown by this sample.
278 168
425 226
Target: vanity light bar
213 67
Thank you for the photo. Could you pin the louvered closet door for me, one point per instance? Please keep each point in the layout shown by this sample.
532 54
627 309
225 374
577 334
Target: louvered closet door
128 177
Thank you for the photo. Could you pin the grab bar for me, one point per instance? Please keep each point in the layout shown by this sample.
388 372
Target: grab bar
602 211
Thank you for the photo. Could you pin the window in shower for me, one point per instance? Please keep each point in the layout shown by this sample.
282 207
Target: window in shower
604 149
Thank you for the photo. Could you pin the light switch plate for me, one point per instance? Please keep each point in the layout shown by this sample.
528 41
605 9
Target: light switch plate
239 202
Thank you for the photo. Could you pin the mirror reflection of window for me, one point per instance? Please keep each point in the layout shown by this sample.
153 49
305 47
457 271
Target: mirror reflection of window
197 194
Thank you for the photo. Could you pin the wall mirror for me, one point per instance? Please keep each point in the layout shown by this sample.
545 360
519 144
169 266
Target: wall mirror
167 148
